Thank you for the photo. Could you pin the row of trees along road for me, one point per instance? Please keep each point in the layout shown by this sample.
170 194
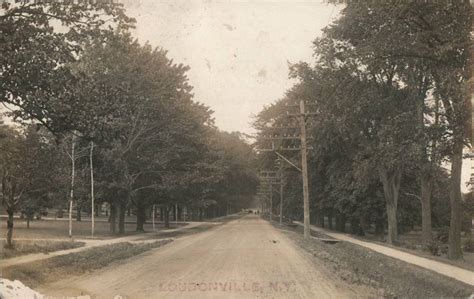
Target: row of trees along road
390 90
102 117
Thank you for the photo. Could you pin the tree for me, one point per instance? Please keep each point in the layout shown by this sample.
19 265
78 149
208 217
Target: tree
154 127
235 180
40 80
36 78
429 44
40 160
13 182
421 49
26 163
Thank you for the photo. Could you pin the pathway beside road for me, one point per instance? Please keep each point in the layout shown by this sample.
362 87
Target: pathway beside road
457 273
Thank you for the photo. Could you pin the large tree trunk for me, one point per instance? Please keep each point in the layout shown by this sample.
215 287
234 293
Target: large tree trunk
121 225
426 192
113 218
455 110
140 216
455 196
391 187
78 212
10 228
167 216
392 231
180 213
426 168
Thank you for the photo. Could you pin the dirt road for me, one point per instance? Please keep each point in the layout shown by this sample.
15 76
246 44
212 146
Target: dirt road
245 258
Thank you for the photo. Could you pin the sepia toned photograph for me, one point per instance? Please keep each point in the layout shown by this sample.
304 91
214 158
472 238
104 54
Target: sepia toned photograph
236 149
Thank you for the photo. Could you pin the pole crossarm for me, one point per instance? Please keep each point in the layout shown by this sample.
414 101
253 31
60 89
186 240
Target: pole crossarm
284 138
282 127
297 105
302 114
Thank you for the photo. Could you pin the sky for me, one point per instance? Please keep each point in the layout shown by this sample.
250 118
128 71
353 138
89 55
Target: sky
238 51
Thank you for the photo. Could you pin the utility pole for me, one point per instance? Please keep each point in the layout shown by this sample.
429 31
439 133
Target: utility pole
73 173
303 138
271 201
279 163
153 217
92 189
176 214
266 190
304 168
73 155
263 193
281 198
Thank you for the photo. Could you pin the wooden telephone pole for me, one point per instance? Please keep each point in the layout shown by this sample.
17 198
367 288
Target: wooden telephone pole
301 116
281 196
265 191
304 171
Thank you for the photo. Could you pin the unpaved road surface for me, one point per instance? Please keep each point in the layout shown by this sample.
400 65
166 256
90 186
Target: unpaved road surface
245 258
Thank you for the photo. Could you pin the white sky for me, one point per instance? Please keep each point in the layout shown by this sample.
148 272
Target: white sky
238 51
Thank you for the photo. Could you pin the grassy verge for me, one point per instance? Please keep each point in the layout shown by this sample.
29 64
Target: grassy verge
180 233
391 277
59 229
52 269
225 219
193 230
38 246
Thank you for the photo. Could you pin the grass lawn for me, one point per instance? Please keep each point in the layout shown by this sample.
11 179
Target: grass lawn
59 229
23 247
